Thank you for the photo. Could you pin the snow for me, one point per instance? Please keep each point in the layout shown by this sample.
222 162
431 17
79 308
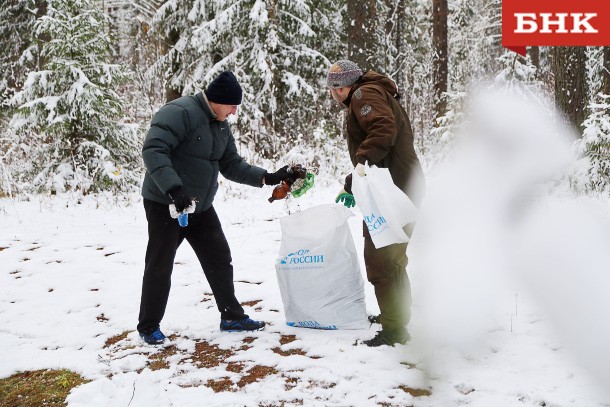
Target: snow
71 277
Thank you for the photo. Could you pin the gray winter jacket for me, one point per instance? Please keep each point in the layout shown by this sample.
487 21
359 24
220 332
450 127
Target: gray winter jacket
186 146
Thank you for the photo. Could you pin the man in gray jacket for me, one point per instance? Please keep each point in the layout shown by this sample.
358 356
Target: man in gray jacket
188 144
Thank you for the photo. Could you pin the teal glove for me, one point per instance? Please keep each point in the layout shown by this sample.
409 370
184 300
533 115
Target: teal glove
347 199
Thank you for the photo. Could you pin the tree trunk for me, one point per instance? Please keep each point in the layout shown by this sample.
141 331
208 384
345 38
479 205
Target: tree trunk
362 32
534 53
570 74
606 72
439 46
41 10
171 92
401 46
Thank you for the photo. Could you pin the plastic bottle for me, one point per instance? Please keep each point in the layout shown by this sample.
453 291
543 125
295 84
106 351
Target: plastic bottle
183 219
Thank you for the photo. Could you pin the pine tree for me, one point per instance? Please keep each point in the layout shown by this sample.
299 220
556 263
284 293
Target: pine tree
276 49
15 19
595 147
67 133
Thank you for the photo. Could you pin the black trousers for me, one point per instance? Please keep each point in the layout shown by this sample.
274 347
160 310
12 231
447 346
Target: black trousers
204 234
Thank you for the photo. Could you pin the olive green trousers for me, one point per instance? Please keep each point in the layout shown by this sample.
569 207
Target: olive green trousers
386 270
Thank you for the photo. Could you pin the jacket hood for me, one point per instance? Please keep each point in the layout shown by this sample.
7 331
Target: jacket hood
375 78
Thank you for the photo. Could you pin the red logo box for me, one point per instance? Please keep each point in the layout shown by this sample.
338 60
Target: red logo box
555 23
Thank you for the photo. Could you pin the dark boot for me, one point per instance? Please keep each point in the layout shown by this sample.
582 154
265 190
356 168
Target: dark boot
375 319
387 337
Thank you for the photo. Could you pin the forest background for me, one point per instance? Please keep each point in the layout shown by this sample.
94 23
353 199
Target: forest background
81 79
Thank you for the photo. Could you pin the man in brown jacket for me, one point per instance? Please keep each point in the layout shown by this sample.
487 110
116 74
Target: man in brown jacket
379 132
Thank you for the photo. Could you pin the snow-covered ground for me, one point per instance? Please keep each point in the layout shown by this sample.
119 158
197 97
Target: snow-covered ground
70 279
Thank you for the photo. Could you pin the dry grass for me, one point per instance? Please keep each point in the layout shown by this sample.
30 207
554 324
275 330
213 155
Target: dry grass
284 339
321 385
415 392
289 352
223 384
38 388
256 374
235 367
158 361
291 383
115 339
207 355
283 403
102 318
253 375
250 303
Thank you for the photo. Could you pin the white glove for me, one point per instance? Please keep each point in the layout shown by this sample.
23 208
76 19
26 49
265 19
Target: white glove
189 209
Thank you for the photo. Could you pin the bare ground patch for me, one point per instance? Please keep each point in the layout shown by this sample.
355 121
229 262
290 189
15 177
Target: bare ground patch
206 355
290 352
113 340
255 374
159 360
415 392
250 303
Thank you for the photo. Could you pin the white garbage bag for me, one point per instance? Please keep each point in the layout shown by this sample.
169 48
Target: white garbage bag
385 207
318 271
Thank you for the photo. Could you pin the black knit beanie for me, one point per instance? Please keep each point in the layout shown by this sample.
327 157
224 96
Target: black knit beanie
224 90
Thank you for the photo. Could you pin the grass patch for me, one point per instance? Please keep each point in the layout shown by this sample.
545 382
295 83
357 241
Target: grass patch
235 367
250 303
284 339
158 361
289 352
416 392
38 388
295 402
208 356
115 339
290 382
255 374
219 385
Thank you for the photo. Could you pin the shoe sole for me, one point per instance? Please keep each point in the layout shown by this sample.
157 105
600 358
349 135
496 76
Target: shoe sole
152 343
242 330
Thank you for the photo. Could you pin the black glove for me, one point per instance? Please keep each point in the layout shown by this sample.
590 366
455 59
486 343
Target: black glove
278 176
180 198
347 186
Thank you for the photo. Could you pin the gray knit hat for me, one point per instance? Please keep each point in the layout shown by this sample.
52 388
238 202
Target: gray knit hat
343 73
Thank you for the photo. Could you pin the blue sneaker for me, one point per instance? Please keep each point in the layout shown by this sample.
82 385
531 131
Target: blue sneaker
154 338
240 325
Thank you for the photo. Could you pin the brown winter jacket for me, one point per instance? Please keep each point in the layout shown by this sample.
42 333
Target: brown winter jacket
379 131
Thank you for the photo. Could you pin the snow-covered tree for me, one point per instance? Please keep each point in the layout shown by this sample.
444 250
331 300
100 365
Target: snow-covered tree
278 49
594 147
67 132
17 17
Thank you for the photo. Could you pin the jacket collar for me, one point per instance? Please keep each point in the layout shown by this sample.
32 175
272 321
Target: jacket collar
355 86
205 105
